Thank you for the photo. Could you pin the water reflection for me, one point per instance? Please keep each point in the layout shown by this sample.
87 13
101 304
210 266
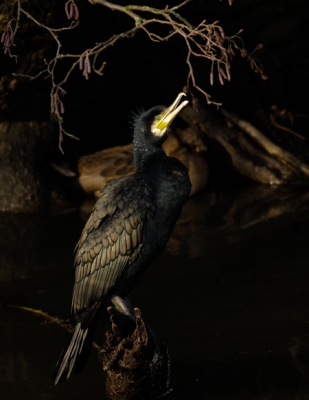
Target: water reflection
229 296
229 214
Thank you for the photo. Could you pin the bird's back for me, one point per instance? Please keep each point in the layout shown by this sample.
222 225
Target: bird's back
111 240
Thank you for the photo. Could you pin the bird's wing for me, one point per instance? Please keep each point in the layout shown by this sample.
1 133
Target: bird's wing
111 239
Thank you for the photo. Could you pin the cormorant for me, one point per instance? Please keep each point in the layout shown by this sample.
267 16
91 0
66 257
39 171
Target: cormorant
128 227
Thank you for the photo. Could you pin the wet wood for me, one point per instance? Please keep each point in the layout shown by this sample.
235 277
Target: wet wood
271 148
135 359
251 153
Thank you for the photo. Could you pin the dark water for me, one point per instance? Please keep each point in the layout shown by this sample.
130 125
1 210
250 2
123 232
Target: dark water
229 296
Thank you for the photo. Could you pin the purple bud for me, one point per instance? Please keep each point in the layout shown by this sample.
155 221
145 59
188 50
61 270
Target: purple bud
76 12
66 8
222 73
71 10
85 73
220 77
88 65
227 69
81 62
11 38
3 36
7 40
211 78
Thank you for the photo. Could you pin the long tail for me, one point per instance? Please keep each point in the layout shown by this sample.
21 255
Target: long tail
75 353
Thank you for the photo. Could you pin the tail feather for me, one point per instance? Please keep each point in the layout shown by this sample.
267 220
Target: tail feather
72 352
85 351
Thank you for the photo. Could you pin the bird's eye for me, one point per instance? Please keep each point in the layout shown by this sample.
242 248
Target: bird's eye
157 117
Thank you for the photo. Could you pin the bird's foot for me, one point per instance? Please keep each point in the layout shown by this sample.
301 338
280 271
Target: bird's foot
123 305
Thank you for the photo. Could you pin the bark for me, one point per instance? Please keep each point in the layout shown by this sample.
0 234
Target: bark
25 173
135 359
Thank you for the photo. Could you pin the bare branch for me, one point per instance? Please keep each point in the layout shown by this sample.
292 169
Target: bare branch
204 41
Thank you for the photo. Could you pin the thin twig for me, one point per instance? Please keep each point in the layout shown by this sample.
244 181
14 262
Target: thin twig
53 320
204 41
284 128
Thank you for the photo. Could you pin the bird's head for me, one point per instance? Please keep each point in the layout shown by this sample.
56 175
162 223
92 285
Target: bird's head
151 127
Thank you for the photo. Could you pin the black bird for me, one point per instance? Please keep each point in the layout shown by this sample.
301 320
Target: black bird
128 227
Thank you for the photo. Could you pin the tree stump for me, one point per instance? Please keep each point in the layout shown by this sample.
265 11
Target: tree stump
135 359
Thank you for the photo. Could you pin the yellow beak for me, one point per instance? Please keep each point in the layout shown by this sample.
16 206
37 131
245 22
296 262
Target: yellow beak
165 119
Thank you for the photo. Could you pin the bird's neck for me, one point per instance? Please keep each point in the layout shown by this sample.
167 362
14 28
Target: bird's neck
143 155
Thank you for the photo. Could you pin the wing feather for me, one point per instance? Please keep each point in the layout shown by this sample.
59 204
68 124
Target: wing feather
134 238
123 243
111 240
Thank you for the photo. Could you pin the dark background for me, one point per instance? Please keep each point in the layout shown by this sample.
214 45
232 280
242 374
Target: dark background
229 294
140 73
